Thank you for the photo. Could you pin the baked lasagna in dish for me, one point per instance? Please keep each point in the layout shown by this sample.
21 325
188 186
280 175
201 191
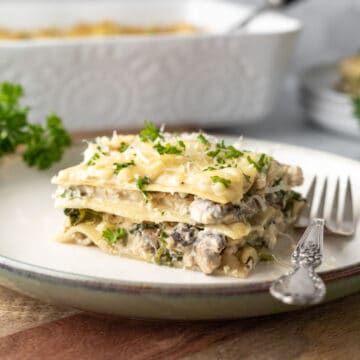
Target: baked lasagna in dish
188 201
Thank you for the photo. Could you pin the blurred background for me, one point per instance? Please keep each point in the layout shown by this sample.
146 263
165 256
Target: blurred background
330 33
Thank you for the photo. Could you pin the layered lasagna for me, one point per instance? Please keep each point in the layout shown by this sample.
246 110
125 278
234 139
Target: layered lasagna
189 201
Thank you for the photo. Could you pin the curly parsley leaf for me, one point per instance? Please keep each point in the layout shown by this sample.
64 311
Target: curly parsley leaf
150 132
13 118
46 145
217 179
119 166
356 103
43 145
112 236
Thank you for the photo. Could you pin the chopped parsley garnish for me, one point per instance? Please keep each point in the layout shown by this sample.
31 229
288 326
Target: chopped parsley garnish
210 168
92 160
220 160
112 236
99 148
232 153
263 163
221 153
356 103
181 144
213 153
119 166
164 256
150 132
141 182
203 139
71 193
247 178
170 149
217 179
123 147
44 145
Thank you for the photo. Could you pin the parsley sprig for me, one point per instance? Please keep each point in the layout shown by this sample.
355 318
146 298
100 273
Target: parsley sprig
356 103
119 166
44 145
112 236
217 179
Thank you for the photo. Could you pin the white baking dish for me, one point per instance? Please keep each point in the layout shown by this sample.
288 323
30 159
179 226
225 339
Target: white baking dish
205 79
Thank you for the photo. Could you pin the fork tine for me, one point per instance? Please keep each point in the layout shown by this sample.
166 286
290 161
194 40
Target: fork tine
320 213
348 219
333 219
304 219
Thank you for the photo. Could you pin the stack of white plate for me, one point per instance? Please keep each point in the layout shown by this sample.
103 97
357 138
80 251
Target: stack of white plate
324 105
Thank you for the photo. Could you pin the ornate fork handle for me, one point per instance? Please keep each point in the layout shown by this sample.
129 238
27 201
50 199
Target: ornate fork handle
303 286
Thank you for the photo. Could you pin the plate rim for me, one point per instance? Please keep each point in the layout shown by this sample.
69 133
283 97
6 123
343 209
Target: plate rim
102 284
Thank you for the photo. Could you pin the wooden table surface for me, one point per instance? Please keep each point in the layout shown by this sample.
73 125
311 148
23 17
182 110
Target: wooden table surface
30 329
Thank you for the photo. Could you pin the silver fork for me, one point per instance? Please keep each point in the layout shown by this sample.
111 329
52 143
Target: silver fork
303 286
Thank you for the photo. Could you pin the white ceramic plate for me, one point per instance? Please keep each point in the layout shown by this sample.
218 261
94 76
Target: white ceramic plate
324 105
85 278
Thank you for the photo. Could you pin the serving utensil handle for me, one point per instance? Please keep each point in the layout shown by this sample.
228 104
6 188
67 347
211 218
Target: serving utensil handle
303 286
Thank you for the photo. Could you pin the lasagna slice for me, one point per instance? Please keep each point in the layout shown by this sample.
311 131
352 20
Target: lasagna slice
188 201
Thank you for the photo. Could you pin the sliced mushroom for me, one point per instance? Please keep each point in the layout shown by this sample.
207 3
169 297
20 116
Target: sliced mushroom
184 234
209 213
208 250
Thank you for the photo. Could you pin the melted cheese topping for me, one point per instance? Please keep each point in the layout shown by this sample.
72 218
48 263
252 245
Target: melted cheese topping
181 173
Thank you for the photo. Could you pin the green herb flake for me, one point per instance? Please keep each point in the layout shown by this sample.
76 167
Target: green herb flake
220 160
71 193
150 132
247 178
123 147
210 168
168 149
92 160
141 182
217 179
232 153
112 236
119 166
213 153
263 163
181 144
203 139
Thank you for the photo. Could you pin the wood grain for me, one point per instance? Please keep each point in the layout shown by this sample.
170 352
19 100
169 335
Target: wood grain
18 312
325 332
